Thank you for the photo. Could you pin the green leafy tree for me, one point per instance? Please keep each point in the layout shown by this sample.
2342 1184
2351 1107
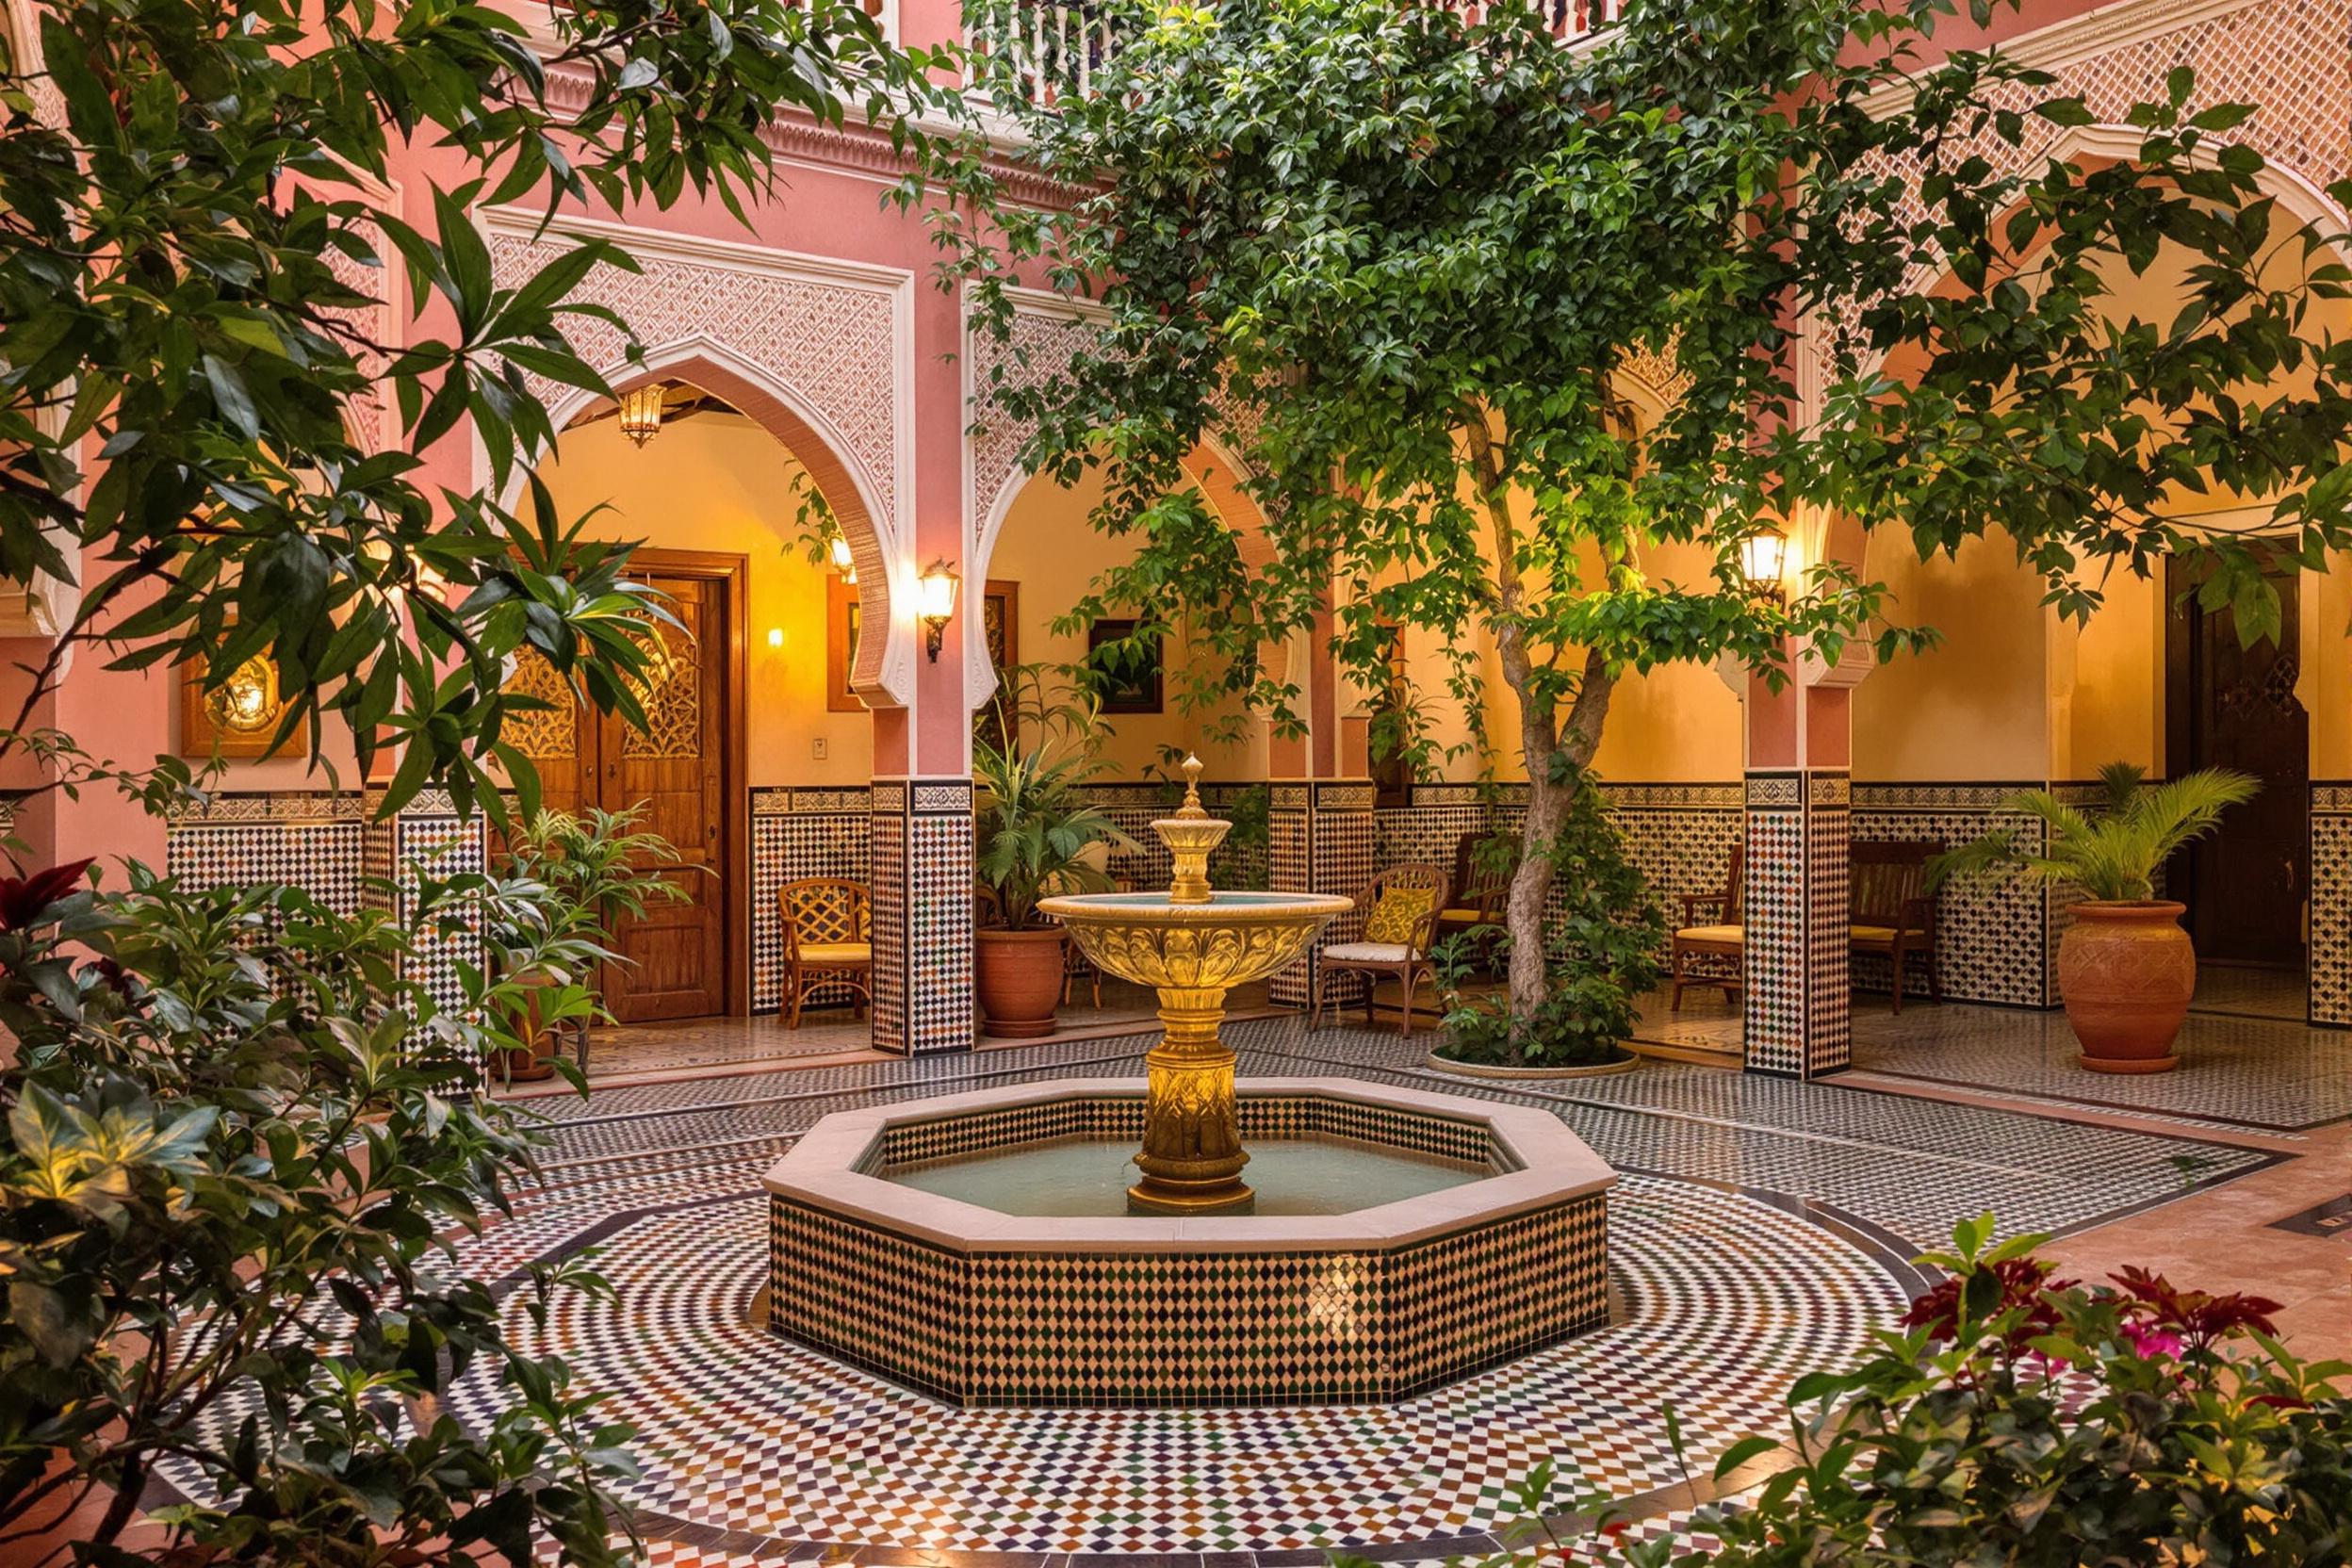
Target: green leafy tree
1407 265
233 1126
194 239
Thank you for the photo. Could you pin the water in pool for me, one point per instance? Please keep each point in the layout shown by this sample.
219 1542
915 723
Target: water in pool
1077 1178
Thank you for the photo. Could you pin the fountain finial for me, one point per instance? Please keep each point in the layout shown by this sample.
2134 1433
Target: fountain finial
1191 835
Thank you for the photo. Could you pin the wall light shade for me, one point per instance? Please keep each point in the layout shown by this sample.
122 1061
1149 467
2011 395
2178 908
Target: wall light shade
1764 563
842 560
641 411
776 636
935 602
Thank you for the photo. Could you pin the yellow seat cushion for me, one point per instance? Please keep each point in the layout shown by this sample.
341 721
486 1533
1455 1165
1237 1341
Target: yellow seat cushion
836 953
1879 933
1712 934
1462 914
1398 911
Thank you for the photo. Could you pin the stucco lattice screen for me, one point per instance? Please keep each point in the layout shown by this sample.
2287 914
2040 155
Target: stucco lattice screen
833 343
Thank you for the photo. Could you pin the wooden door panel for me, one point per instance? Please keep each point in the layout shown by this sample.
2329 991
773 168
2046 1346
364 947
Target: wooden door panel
2246 884
675 770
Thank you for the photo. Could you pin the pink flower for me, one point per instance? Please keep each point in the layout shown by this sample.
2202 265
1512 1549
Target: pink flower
2150 1342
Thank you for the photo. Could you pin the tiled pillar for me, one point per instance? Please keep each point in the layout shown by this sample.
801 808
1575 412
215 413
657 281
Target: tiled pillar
922 883
427 839
2330 940
1320 841
1797 1009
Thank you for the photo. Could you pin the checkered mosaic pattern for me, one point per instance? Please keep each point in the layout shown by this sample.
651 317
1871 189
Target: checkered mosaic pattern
921 844
1321 840
311 841
429 839
1123 1330
796 834
1008 1326
2331 940
1796 1008
1993 937
1722 1301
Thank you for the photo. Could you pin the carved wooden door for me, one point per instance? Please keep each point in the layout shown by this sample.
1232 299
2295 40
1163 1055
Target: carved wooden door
674 771
2235 707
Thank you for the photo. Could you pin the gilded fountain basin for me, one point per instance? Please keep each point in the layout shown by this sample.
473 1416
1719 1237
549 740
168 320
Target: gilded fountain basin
1231 940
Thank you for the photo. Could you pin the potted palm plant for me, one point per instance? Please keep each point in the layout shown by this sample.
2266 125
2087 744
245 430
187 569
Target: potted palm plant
2126 968
600 868
1034 836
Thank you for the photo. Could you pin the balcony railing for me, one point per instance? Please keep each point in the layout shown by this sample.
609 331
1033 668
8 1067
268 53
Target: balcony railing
1056 46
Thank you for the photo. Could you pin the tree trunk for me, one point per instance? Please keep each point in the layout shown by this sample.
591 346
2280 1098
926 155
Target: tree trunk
1548 802
1540 736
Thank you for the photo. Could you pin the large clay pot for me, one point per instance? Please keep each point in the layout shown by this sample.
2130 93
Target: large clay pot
2126 972
1019 981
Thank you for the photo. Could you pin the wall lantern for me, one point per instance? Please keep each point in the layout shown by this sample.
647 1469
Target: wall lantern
641 410
1763 563
843 561
935 602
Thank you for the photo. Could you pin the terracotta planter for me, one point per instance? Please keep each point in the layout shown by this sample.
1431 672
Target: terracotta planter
2126 972
1019 981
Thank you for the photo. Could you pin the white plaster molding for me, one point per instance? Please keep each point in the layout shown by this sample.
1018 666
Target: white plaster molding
829 339
1852 665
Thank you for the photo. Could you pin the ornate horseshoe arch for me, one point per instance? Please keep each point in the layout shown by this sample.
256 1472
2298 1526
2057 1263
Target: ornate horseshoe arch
821 352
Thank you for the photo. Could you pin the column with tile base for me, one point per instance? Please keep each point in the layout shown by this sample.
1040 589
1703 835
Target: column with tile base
921 849
1796 1021
426 839
1319 839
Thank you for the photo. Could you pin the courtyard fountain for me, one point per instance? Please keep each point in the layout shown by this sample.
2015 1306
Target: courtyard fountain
987 1248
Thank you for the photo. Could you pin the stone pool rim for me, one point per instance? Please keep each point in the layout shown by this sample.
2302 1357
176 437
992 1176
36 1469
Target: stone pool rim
1551 1166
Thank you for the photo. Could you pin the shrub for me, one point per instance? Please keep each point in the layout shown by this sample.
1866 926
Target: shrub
2016 1418
235 1129
1602 935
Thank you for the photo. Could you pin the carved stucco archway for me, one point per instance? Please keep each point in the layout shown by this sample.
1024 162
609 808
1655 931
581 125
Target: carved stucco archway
818 353
1047 330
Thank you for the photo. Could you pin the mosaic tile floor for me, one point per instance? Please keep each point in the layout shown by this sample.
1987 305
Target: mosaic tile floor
1763 1227
2268 1074
2262 1073
1723 1301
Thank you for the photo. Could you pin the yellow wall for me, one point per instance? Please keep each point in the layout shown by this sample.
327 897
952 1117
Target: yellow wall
2107 682
718 481
1050 549
1974 709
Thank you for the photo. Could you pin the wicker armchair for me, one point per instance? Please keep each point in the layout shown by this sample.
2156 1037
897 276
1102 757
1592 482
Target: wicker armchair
1407 959
828 940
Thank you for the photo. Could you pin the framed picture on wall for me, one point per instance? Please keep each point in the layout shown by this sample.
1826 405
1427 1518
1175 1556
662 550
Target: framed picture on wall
841 645
236 718
1129 681
1000 630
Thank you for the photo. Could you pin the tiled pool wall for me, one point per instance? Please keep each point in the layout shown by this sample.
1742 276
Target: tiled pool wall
1119 1118
1119 1330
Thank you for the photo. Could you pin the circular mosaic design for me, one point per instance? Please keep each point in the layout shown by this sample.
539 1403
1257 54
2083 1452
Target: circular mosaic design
1723 1302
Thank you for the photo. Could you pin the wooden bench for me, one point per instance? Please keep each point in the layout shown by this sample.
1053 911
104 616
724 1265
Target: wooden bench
1888 910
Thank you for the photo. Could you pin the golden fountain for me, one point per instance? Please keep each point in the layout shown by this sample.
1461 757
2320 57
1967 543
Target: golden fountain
1192 945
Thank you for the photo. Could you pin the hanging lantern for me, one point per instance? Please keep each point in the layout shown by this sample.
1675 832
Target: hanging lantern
1764 563
641 410
843 561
